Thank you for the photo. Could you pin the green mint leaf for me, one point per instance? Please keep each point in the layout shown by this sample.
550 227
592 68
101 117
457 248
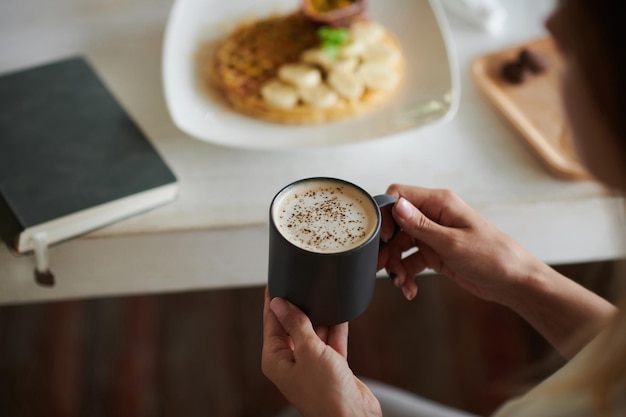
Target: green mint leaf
334 35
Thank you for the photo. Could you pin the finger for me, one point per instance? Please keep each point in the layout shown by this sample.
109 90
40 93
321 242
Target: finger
322 333
409 288
394 265
296 324
411 266
338 339
388 225
441 206
271 325
383 258
431 258
416 224
395 190
277 353
414 263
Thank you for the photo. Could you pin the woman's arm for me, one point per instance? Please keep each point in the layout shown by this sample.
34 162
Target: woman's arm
568 315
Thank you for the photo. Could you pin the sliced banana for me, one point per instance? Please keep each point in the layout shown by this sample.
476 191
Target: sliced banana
382 53
319 96
300 75
347 84
278 94
366 31
377 76
322 59
344 64
317 56
351 49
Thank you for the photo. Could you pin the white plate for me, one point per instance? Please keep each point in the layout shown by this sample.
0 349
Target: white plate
430 92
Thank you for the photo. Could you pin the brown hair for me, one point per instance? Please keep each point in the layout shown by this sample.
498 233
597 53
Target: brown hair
594 34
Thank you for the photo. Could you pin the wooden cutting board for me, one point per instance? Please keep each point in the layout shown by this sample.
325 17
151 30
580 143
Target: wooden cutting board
534 107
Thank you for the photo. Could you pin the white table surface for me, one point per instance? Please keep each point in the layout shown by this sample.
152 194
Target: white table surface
215 234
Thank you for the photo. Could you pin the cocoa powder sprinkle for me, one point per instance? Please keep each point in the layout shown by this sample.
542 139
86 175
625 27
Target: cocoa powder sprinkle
325 219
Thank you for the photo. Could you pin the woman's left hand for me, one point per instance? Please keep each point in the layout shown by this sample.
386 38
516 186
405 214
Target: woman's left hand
309 366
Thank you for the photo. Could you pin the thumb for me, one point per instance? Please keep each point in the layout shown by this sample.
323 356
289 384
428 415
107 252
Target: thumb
294 321
417 225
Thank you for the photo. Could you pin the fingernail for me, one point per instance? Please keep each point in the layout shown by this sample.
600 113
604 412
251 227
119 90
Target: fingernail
398 282
279 307
407 293
404 209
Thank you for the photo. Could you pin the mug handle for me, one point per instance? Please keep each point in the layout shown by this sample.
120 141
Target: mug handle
384 200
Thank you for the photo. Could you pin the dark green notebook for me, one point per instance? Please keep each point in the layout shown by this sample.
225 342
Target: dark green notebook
71 159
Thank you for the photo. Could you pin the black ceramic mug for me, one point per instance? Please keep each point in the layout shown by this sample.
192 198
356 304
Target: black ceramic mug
323 249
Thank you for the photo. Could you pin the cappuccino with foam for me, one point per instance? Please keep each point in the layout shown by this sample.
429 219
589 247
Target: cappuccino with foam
325 216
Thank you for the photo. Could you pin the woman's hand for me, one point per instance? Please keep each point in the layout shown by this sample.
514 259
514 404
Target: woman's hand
309 365
454 240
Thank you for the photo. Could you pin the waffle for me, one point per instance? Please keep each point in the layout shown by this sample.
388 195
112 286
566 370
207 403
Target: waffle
250 55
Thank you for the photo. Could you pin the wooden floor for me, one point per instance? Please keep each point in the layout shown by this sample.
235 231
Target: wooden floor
198 353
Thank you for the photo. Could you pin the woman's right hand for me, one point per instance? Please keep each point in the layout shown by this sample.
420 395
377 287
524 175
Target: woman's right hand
452 239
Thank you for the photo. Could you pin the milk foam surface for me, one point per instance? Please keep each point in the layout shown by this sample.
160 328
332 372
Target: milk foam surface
325 216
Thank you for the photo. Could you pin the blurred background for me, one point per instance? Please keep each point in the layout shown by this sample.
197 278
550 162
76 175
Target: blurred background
199 353
161 315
